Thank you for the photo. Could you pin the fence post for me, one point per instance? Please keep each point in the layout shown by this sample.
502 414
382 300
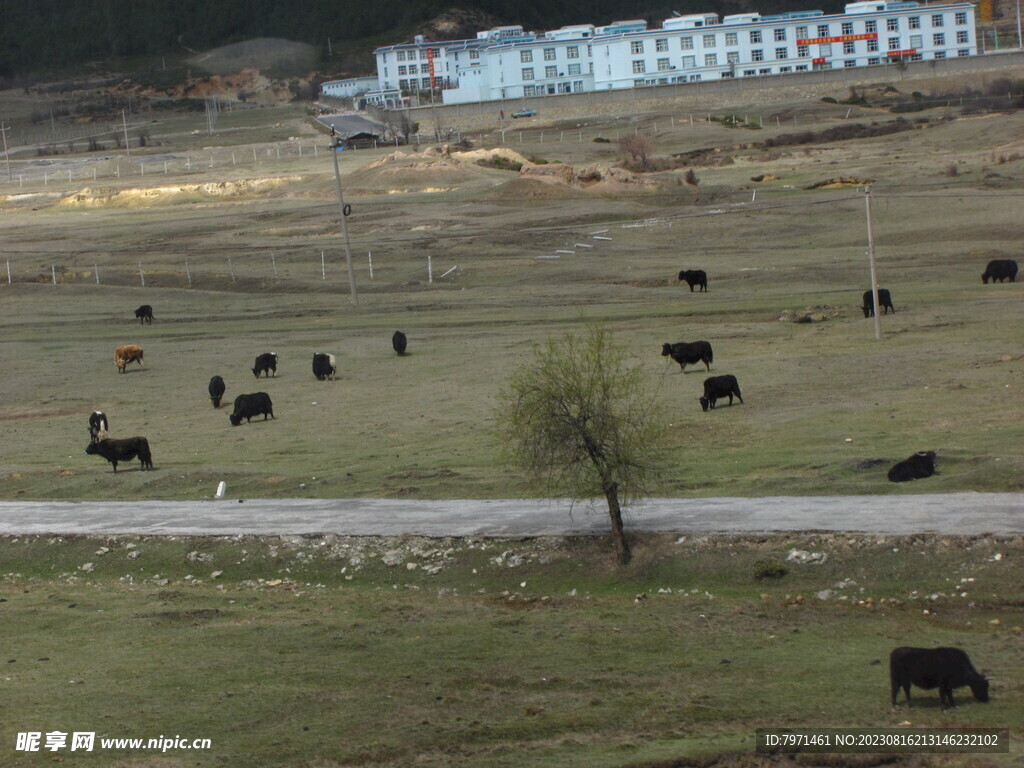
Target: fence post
231 269
430 269
323 267
188 274
96 271
273 263
369 258
9 281
142 274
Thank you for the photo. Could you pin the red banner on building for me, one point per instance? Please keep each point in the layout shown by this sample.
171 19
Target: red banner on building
839 39
900 54
430 66
818 61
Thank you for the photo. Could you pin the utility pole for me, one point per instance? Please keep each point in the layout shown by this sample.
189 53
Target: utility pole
124 121
7 157
871 265
344 209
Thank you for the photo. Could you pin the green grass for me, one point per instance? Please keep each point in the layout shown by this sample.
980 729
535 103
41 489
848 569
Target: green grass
313 651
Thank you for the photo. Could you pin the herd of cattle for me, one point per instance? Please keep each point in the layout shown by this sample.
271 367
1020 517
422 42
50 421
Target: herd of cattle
246 406
916 467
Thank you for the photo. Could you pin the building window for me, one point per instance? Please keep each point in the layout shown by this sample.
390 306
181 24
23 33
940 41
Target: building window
937 20
872 45
785 69
757 55
661 44
733 57
803 51
825 49
636 46
572 52
574 69
961 18
848 47
894 43
549 54
893 25
871 26
528 73
781 53
474 55
823 30
710 59
400 55
939 39
686 43
709 41
801 33
765 71
526 56
664 65
940 54
919 57
962 37
731 38
550 72
874 61
638 67
780 35
689 62
850 63
414 69
425 82
749 72
801 67
755 36
847 28
914 22
916 41
402 70
963 52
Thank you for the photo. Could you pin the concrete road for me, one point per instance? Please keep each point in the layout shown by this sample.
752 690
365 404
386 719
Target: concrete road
954 513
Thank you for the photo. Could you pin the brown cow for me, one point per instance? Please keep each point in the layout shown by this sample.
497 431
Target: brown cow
129 353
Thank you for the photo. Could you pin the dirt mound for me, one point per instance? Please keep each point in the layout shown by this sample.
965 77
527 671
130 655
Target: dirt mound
840 181
435 169
523 188
101 197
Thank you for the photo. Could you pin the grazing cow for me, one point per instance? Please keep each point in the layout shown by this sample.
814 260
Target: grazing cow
942 668
129 353
124 449
686 353
98 426
1000 269
921 464
399 342
884 301
247 406
694 277
144 314
324 366
719 386
216 388
265 364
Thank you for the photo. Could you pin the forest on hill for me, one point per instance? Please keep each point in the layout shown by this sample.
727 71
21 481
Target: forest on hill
37 36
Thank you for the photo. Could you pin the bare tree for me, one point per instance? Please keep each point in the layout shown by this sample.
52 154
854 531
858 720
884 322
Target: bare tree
639 147
582 420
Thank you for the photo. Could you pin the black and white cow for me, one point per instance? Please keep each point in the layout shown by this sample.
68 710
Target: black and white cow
399 342
695 277
324 366
688 353
247 406
144 314
98 426
916 467
884 301
1000 269
719 386
216 389
942 668
266 363
124 449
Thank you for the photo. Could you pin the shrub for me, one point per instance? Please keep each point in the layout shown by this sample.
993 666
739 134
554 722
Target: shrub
769 568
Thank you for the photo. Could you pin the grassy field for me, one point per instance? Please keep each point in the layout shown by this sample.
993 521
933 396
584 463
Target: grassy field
323 652
312 651
247 257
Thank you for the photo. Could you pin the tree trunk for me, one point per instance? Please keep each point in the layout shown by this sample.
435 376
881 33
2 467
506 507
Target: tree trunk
611 492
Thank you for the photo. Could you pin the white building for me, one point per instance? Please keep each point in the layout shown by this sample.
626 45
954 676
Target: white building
510 63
